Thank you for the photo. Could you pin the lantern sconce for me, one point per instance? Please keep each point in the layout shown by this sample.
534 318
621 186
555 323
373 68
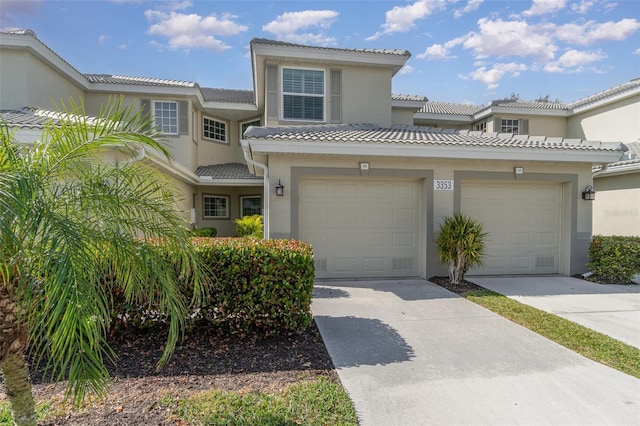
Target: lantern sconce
279 189
588 194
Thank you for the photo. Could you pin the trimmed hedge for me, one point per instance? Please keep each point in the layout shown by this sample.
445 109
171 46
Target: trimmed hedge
205 232
614 259
258 288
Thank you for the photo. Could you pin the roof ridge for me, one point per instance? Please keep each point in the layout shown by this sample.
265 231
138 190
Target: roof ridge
271 42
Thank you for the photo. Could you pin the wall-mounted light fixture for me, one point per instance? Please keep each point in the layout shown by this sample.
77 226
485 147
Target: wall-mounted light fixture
588 193
279 189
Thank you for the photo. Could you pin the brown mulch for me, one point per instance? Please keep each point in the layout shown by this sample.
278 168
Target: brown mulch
460 289
201 362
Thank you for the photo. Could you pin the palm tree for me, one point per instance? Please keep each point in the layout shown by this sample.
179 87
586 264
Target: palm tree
73 227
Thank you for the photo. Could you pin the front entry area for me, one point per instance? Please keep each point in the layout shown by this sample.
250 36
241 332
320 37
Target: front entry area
524 222
362 227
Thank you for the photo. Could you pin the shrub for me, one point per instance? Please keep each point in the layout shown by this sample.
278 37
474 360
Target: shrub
258 288
250 226
205 232
461 245
614 259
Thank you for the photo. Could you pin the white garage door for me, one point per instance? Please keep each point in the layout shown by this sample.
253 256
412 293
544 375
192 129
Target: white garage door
361 227
524 225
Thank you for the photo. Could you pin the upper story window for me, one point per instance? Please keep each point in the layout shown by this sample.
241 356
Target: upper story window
244 126
303 94
214 129
481 127
508 125
166 116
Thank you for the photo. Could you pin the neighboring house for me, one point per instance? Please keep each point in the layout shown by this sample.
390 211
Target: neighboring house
332 157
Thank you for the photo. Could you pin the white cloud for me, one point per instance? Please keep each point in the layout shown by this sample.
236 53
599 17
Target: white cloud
509 38
401 19
574 60
637 51
471 6
291 22
10 9
186 31
103 38
543 7
435 52
492 76
582 7
407 69
591 31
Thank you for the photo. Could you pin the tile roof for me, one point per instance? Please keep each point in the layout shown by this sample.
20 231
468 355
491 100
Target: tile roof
228 95
23 118
267 42
412 135
530 104
617 90
433 107
139 81
401 97
226 171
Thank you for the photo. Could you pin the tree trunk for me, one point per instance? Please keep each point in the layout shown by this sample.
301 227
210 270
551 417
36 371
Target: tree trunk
14 368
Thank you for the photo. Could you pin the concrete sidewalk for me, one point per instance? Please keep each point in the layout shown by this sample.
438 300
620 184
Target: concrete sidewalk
411 353
613 310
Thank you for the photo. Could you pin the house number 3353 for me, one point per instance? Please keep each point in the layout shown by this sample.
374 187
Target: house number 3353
443 185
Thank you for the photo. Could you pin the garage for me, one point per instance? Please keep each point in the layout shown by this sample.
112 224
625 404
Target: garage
362 227
524 222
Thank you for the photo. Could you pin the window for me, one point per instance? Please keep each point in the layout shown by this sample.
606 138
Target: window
215 207
481 127
214 129
250 206
509 126
166 116
244 126
302 94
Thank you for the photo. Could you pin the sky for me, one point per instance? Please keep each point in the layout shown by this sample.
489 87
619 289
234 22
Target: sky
463 51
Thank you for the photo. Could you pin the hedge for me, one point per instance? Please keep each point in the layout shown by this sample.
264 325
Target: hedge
614 259
258 288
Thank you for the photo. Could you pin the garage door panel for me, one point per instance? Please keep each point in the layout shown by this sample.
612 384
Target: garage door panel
523 220
374 231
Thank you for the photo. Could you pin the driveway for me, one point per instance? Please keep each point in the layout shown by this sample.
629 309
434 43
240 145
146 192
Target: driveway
411 353
613 310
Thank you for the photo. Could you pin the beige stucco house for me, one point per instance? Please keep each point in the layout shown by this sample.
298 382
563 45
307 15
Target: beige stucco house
330 156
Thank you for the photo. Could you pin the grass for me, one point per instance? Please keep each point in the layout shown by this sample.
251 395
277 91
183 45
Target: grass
317 402
6 418
580 339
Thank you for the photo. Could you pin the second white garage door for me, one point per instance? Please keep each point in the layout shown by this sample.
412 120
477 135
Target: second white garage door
524 225
361 227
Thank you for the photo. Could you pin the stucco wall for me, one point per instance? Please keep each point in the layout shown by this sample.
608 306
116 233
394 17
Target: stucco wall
27 81
402 116
225 227
616 209
616 122
538 125
214 152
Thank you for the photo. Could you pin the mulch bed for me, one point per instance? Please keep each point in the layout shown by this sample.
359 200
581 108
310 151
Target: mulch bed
201 362
460 289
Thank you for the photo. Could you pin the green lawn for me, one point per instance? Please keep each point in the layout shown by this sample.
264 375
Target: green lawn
580 339
317 402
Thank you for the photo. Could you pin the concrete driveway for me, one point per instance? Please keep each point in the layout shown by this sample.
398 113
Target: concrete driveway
411 353
613 310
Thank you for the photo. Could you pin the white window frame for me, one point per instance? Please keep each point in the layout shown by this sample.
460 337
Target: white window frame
204 210
223 123
243 123
161 126
244 197
482 127
323 96
510 123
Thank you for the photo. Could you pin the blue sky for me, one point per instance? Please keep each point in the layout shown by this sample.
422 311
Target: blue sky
463 51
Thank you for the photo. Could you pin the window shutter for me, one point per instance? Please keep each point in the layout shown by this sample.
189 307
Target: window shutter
145 112
497 125
336 96
524 127
272 92
183 118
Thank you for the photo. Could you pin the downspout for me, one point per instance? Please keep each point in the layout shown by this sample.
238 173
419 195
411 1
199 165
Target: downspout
265 169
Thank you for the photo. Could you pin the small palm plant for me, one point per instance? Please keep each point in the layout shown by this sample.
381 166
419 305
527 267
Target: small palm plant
461 245
250 226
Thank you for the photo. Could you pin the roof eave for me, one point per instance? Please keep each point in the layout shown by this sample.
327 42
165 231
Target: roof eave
211 181
461 118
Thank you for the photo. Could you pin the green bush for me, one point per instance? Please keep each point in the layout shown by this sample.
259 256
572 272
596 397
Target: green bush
614 259
250 226
205 232
258 288
461 245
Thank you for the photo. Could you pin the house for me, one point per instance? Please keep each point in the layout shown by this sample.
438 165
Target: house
332 157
